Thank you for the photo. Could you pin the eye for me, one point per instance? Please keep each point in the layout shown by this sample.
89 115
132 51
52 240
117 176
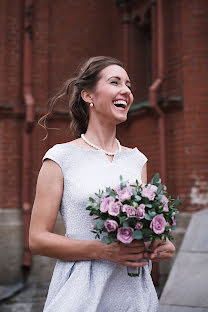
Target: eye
114 82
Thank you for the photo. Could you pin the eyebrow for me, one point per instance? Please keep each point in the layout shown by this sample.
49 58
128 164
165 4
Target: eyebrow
118 78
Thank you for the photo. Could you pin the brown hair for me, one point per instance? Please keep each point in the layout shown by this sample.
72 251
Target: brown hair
87 78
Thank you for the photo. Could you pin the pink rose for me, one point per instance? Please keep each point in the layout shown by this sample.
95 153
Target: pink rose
106 203
165 201
114 209
140 211
117 188
174 221
149 191
123 208
111 225
165 208
124 194
139 225
124 235
130 211
153 188
158 224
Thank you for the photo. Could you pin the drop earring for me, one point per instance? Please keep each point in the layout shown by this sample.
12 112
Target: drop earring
91 104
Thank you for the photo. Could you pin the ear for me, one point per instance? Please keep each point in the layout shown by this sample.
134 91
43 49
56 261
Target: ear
86 96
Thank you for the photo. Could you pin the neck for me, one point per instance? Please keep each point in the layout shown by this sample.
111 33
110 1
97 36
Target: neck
102 136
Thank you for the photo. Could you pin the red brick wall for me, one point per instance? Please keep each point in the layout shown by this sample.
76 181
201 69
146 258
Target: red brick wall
11 17
11 26
195 68
173 87
10 162
141 130
66 32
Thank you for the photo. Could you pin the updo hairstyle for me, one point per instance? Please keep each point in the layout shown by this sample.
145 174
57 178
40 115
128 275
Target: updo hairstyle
87 77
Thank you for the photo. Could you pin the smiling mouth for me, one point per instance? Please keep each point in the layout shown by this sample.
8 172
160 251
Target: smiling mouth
120 104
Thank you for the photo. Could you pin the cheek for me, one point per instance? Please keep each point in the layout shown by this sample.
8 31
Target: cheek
132 98
103 97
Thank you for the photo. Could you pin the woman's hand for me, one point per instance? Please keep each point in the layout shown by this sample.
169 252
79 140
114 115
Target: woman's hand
160 250
125 254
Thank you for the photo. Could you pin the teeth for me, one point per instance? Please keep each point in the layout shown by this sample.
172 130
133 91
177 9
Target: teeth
120 102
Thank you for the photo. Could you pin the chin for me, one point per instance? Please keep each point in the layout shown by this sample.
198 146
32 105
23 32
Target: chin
121 119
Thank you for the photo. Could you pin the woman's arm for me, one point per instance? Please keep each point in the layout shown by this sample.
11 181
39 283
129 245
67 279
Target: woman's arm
44 242
144 174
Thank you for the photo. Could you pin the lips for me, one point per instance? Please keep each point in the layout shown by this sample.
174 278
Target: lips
120 104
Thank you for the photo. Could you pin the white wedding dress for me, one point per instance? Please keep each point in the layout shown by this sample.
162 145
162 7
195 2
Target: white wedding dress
95 286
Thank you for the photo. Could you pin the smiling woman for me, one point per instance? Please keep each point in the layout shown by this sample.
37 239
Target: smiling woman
89 74
112 98
91 276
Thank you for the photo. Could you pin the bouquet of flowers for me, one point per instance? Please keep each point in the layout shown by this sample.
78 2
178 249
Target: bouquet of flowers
133 211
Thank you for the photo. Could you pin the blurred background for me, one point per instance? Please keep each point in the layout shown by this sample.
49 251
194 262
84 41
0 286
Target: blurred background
164 47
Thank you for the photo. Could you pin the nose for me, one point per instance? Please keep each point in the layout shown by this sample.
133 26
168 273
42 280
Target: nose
125 89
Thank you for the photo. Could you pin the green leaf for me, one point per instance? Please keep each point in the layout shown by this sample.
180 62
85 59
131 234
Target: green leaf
152 213
134 192
98 201
156 179
147 216
160 187
135 205
108 190
177 202
148 206
97 207
93 232
125 224
99 224
137 234
91 199
147 232
122 185
89 207
122 219
137 198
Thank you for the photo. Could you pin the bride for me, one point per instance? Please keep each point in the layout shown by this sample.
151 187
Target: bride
91 276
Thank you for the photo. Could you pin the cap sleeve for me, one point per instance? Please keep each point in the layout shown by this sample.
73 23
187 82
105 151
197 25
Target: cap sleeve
141 158
54 154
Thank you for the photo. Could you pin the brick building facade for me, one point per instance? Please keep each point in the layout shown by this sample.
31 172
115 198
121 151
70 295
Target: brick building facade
164 47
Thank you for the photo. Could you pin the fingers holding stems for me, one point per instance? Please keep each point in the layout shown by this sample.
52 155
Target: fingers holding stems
161 250
130 254
126 254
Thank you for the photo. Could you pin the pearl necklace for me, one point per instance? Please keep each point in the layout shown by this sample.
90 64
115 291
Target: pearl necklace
100 149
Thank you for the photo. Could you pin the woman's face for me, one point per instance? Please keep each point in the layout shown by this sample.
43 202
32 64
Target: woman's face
112 97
